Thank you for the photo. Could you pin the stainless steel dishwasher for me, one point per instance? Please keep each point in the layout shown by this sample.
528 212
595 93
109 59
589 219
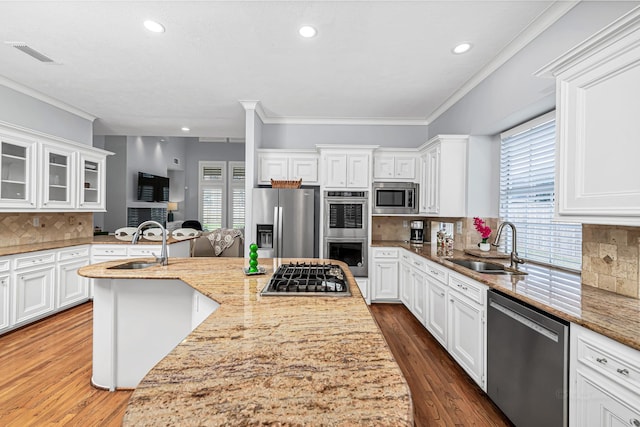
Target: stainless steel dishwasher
527 363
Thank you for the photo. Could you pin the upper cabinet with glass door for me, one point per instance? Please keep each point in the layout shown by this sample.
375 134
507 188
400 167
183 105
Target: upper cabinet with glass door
17 173
58 177
92 188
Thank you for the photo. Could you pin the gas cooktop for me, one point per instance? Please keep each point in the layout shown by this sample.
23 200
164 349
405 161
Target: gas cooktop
308 279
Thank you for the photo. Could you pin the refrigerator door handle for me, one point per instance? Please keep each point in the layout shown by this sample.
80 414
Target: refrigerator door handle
276 232
280 237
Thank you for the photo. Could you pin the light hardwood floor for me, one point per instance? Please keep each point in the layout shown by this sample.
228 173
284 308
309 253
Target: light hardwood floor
45 372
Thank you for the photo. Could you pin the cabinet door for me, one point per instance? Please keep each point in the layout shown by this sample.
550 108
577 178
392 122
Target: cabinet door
466 339
4 302
383 167
335 170
363 285
432 187
598 405
92 183
58 183
424 182
358 171
33 293
419 288
404 285
385 283
405 168
272 168
304 168
71 288
17 173
436 315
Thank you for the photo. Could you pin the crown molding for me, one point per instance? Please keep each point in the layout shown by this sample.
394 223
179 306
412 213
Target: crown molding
45 98
544 21
367 121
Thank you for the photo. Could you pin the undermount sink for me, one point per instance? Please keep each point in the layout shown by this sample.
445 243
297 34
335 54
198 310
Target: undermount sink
485 267
132 265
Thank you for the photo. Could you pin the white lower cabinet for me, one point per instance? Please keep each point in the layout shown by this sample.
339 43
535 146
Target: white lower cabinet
363 285
419 288
33 285
384 285
405 284
465 336
4 302
71 288
436 313
604 381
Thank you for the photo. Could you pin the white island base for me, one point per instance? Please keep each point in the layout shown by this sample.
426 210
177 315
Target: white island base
137 322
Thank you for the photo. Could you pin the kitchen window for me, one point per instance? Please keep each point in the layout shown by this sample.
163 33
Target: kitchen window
221 194
527 196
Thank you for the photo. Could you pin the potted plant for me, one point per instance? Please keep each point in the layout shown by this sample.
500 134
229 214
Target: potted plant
485 232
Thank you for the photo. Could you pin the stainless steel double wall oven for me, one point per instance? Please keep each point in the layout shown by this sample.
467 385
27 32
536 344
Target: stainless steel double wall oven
346 229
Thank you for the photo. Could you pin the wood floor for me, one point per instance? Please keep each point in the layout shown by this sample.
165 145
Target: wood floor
45 372
443 394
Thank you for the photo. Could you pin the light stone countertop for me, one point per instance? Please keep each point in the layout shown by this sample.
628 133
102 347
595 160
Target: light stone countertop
268 360
554 291
58 244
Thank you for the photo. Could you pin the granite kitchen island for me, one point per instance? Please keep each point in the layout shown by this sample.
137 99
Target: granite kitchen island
266 360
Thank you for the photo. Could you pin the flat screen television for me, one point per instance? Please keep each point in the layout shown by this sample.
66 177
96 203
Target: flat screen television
152 188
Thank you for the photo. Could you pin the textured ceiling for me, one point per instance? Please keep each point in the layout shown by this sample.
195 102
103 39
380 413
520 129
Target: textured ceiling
371 60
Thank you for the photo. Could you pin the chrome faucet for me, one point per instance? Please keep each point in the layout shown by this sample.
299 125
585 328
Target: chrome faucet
515 259
163 259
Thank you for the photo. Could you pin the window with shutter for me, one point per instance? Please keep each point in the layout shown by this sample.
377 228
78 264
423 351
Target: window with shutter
237 195
221 196
527 175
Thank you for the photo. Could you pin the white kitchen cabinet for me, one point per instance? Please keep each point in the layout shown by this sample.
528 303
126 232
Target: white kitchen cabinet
33 287
597 128
17 173
384 285
363 285
444 176
419 298
58 178
436 315
604 380
72 288
404 279
346 168
5 304
466 326
391 166
92 170
288 165
44 173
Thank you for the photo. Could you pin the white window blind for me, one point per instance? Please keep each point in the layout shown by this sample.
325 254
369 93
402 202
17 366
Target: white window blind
237 194
527 174
212 190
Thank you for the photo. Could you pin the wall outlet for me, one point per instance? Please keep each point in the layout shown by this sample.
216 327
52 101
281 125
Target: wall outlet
459 227
36 221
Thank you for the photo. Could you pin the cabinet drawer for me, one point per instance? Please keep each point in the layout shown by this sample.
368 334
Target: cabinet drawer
610 358
35 260
145 251
471 289
439 273
385 253
418 263
73 253
5 264
115 251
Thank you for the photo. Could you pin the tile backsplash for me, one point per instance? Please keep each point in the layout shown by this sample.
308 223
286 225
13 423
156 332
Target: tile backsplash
611 258
19 228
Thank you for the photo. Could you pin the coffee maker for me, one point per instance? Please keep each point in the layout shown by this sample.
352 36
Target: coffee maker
417 232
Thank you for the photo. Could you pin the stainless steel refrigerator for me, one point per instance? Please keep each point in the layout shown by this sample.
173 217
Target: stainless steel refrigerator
285 222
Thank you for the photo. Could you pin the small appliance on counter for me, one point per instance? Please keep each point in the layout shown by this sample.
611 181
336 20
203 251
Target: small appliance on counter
417 232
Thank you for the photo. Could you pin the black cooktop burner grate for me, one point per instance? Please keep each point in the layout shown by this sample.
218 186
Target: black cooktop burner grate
302 279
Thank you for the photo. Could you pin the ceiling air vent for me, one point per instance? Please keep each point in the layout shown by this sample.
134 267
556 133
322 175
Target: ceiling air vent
31 52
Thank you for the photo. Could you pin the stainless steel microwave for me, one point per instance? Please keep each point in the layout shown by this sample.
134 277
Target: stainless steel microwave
395 198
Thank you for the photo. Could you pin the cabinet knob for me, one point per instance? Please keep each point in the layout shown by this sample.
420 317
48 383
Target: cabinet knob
442 294
623 372
601 360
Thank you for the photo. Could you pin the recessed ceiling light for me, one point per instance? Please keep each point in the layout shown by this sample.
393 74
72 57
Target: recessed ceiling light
185 129
154 26
307 31
462 48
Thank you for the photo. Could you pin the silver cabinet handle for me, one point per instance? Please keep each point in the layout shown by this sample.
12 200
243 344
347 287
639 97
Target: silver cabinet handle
634 422
623 372
601 360
442 294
